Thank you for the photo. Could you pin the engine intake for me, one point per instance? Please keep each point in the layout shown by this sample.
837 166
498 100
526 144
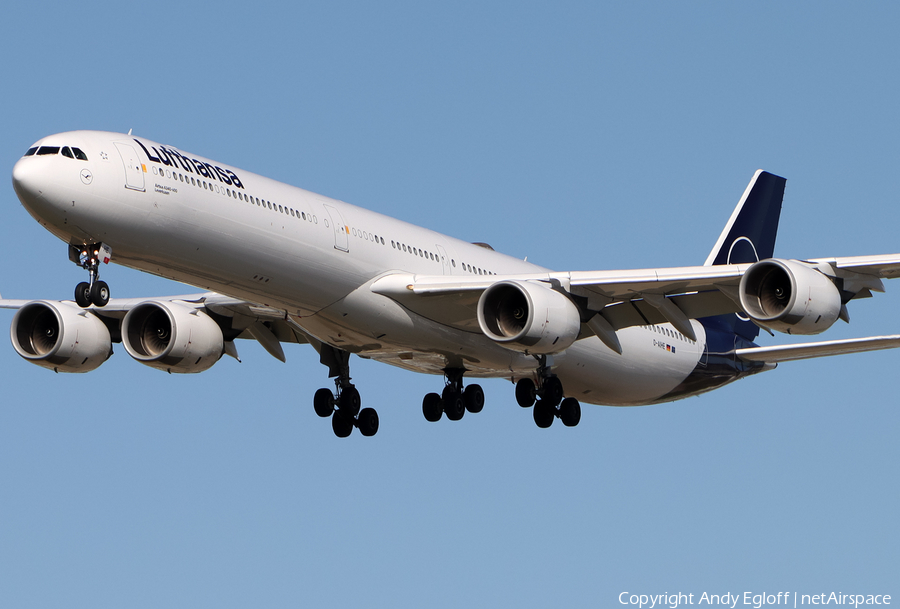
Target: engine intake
60 336
172 337
790 297
528 317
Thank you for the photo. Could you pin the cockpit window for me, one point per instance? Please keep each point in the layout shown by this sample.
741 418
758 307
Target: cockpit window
48 150
67 153
79 154
31 151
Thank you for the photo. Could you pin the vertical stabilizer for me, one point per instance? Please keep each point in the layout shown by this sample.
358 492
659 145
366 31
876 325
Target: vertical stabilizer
749 236
750 233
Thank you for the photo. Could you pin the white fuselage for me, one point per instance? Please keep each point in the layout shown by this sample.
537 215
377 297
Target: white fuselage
200 222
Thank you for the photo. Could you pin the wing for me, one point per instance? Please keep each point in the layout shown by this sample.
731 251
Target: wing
237 319
613 300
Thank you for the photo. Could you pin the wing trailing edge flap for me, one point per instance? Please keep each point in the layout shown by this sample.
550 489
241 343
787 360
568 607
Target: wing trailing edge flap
268 326
786 353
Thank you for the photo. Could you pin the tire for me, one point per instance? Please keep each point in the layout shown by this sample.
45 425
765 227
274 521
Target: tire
525 393
570 412
100 294
350 401
431 407
367 422
543 414
453 403
552 391
473 398
323 402
83 294
341 425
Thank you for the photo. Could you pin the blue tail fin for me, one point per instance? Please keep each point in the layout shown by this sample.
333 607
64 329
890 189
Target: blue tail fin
749 236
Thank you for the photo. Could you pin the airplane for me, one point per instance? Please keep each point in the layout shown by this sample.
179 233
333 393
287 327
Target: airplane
285 265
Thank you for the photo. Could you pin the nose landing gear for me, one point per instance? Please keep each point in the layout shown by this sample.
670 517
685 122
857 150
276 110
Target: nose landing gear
89 257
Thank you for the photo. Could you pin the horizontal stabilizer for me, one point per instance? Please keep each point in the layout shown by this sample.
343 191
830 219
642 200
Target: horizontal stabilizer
786 353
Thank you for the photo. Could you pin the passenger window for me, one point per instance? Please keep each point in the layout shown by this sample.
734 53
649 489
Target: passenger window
303 215
67 153
81 156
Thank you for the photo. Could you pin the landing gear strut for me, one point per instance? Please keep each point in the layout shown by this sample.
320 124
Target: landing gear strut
453 400
89 257
547 398
343 404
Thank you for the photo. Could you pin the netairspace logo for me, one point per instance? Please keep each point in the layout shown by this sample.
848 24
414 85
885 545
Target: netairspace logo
751 599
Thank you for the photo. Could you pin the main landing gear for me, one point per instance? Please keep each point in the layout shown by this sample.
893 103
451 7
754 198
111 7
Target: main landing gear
547 398
343 404
453 400
89 257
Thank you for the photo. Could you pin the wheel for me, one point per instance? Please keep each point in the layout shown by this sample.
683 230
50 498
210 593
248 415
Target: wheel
323 402
350 401
552 391
570 412
341 425
473 397
431 407
525 393
452 401
83 294
543 414
367 422
100 294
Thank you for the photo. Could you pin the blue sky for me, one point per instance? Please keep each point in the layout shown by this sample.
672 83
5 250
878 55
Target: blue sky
581 135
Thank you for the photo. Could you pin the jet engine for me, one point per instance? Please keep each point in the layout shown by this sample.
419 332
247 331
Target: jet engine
790 297
525 316
60 336
172 337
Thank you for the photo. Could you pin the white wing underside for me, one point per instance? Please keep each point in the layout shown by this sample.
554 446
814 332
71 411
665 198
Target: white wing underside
623 298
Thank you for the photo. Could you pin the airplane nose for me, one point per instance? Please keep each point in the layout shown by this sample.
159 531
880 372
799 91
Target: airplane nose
26 179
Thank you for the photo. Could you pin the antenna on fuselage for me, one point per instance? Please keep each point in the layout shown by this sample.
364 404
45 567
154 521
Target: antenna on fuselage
129 132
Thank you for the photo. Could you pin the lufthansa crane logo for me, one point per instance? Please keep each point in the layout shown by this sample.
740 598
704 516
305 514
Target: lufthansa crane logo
86 176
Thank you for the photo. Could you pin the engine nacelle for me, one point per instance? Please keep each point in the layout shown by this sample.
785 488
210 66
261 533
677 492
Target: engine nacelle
172 337
790 297
524 316
60 336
